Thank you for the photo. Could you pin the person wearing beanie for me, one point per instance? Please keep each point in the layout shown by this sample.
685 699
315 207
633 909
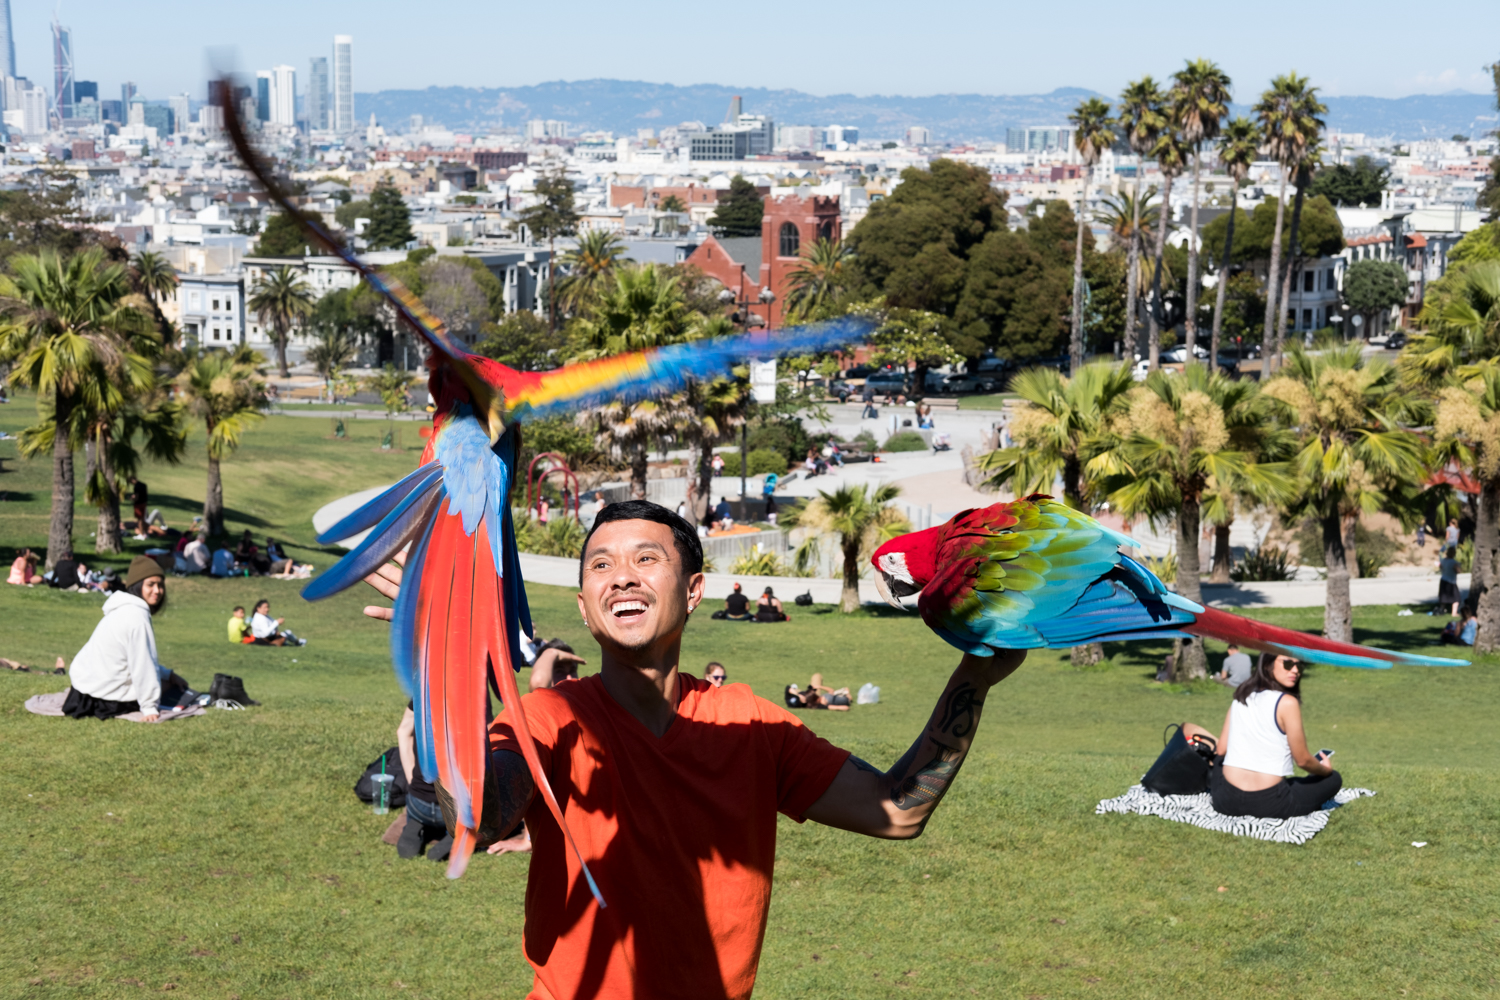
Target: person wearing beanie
116 672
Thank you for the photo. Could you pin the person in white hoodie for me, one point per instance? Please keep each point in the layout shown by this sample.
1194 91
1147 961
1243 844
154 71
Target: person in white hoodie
116 672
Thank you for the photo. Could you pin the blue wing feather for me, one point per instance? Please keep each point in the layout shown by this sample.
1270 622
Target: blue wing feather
374 512
388 537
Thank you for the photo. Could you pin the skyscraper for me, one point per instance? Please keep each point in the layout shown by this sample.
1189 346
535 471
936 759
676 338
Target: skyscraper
283 95
263 95
317 93
181 106
127 91
7 40
343 83
62 69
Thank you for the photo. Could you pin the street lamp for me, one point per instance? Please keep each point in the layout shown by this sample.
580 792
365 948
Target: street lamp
745 319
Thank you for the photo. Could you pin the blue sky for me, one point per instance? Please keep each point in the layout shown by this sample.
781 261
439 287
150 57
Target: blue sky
1378 48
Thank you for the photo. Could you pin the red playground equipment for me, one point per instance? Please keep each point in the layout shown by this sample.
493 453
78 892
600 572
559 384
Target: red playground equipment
557 465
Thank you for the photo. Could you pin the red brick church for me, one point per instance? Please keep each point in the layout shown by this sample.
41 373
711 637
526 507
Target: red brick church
745 265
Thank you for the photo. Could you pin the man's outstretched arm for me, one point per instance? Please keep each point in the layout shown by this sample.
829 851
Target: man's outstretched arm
508 787
896 804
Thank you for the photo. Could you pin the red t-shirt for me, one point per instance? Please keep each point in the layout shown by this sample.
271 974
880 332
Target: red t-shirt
679 832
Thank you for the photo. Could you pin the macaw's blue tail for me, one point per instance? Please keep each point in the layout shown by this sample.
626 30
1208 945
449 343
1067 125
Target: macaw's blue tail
1268 638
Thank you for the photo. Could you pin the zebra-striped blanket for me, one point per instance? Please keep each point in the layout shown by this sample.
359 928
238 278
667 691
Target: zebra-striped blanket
1199 811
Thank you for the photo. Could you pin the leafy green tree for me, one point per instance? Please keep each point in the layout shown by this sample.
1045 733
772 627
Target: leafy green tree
1238 148
552 216
1373 287
393 386
739 211
42 213
591 266
1181 438
864 520
523 341
281 300
1142 119
72 331
913 338
671 203
1127 218
1352 185
1289 125
227 393
1014 297
333 350
450 289
282 237
390 219
1465 332
1093 133
346 214
157 278
1200 100
1466 432
823 273
913 247
1351 456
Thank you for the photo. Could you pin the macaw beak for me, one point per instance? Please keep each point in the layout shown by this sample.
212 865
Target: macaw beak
883 584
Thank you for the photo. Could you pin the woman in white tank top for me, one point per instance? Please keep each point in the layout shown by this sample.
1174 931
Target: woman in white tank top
1261 741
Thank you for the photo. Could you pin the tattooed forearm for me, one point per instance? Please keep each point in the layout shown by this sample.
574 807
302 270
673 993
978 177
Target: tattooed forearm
928 784
958 710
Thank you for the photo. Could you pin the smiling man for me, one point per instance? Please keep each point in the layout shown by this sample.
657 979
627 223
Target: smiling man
672 785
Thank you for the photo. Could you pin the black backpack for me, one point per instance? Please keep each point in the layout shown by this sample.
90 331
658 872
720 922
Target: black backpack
392 765
1182 768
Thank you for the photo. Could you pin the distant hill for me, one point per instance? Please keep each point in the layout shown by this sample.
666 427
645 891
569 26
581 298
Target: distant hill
623 106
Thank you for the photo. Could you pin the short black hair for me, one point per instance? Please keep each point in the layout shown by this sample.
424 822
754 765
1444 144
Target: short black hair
684 538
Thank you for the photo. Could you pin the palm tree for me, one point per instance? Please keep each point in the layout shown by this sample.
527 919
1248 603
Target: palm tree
1171 158
1183 438
228 395
1239 147
1200 100
863 520
333 350
1054 427
1463 330
822 272
1141 120
1286 132
280 301
1351 454
591 265
1127 218
1093 133
1302 179
155 276
151 423
66 330
1467 432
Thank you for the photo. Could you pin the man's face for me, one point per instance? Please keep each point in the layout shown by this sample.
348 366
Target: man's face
636 591
153 590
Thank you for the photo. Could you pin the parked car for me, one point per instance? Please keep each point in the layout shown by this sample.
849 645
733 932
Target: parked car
1396 341
1143 368
889 382
860 371
971 382
1061 362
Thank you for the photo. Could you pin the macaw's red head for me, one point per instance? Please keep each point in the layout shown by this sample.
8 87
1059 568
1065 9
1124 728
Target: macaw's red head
448 390
903 566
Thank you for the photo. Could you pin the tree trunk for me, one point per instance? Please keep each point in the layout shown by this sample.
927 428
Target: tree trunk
551 282
1338 620
1132 289
1291 265
107 537
1223 556
638 471
213 500
849 599
1075 343
1191 663
1351 554
281 339
1222 291
1072 478
1486 570
1190 321
60 529
1268 334
1158 313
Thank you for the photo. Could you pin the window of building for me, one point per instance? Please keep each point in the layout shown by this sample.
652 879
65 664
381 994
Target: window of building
1307 323
825 232
216 333
195 301
1309 279
216 305
791 240
1329 282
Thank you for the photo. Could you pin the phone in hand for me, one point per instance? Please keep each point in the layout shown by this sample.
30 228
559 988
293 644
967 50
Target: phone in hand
1325 754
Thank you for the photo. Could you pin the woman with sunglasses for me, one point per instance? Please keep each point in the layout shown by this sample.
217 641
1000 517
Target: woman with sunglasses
1262 739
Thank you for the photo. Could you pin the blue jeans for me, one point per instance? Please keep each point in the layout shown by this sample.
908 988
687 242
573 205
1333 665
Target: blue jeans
426 813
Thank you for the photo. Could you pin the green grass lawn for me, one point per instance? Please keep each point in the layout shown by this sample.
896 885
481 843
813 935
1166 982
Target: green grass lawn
987 401
227 855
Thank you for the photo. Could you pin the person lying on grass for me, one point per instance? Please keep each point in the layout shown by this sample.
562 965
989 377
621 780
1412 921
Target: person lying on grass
1262 738
672 785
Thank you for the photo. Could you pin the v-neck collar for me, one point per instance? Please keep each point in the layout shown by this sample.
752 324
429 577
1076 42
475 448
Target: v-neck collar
673 728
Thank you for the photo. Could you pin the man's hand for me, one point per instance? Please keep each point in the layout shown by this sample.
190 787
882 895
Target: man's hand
387 580
897 804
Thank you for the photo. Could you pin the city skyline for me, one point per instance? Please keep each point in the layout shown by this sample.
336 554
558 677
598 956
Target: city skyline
970 51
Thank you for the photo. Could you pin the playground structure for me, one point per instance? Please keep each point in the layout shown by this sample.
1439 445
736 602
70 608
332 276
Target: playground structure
534 480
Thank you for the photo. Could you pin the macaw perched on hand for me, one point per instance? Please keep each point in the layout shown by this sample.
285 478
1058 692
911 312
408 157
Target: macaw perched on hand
461 610
1035 573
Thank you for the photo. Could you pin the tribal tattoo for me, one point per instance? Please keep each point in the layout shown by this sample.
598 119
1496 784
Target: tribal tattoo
958 712
928 784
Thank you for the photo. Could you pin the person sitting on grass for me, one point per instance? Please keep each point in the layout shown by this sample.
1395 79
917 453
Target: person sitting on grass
194 556
768 608
1236 668
1461 633
239 628
223 564
249 556
836 700
724 514
736 607
424 818
677 810
268 631
116 672
23 571
1261 740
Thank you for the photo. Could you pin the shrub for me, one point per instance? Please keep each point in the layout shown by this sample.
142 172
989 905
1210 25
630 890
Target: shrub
759 564
764 460
863 441
786 436
561 536
1165 567
905 441
1373 549
1263 564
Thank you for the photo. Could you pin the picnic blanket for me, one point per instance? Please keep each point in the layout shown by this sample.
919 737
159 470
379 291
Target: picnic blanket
52 704
1199 811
